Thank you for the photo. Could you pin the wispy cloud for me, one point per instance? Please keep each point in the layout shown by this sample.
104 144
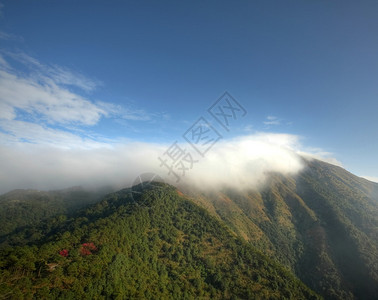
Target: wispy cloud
10 37
272 120
125 113
3 63
43 98
38 105
318 153
53 73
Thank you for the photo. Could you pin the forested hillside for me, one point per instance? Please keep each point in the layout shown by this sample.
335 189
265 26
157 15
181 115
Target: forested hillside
322 224
158 245
22 208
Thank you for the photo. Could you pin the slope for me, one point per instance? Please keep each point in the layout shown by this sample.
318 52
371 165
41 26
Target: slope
322 224
155 245
20 208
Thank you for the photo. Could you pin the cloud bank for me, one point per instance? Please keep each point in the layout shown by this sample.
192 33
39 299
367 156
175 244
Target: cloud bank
242 162
245 162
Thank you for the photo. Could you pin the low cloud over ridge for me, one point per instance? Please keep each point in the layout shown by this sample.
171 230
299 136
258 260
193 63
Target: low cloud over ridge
242 162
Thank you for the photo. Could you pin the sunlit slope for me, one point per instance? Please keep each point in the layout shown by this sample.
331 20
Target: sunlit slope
323 224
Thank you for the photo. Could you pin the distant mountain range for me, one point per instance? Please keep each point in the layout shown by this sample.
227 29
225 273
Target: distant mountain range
307 236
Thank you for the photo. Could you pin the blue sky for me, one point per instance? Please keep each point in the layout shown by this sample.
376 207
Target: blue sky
89 73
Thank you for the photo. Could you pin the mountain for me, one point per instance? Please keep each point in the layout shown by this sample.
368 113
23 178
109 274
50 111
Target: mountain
322 224
315 231
155 244
23 208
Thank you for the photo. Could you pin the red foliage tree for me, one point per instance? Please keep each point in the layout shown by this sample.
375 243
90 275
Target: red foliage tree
87 248
63 253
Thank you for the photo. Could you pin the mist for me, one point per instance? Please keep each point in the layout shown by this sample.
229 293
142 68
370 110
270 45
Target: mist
241 162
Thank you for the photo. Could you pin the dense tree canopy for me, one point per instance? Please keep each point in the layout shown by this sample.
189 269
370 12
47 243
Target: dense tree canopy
167 248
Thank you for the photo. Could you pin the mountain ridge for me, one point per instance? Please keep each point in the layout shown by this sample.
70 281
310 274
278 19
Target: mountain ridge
158 246
320 224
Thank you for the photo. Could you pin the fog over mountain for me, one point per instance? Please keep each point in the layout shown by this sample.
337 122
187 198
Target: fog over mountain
240 162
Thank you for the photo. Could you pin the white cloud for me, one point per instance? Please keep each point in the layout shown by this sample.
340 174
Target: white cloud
35 102
47 167
243 162
40 93
31 133
54 73
6 111
64 76
317 153
46 100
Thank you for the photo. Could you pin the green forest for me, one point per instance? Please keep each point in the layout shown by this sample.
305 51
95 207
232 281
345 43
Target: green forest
167 248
